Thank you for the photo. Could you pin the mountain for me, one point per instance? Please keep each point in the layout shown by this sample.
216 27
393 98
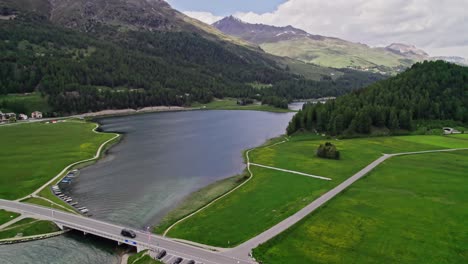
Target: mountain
407 50
430 92
259 33
325 51
89 55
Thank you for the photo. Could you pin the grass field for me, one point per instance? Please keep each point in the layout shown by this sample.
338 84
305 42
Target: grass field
34 153
142 258
334 53
271 196
59 205
231 104
411 209
197 200
6 216
28 227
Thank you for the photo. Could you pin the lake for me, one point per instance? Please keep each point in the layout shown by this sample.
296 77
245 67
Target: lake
162 158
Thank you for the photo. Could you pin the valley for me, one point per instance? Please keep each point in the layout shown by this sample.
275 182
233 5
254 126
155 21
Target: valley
169 131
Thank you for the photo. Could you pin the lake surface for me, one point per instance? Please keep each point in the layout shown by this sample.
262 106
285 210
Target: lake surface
162 158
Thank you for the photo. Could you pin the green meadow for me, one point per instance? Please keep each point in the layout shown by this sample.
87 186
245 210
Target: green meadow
271 196
6 216
34 153
411 209
231 104
28 227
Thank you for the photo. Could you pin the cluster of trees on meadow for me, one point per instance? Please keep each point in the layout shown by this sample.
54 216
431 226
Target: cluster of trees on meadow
328 151
427 91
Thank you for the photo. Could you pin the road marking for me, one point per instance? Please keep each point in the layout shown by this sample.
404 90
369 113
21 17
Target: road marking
293 172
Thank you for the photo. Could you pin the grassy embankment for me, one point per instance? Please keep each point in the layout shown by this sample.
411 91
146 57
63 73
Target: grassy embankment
231 104
142 258
272 196
6 216
28 227
411 209
206 195
37 152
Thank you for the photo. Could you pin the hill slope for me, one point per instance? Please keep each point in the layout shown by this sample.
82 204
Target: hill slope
428 91
325 51
91 55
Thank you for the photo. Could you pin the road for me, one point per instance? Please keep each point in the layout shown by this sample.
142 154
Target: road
112 231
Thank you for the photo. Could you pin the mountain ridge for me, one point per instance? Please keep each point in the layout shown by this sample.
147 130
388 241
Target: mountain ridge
322 50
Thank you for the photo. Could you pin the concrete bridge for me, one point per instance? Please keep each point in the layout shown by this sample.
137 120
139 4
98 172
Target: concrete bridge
144 240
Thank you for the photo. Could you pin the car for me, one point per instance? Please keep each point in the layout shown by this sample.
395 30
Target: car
128 233
161 254
177 261
191 262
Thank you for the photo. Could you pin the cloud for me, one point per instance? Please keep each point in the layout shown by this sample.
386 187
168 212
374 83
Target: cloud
206 17
429 24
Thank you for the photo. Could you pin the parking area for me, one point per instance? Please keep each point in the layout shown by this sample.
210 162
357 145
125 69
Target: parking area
171 259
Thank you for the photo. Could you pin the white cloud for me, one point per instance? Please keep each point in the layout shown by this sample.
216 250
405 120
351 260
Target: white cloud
206 17
434 25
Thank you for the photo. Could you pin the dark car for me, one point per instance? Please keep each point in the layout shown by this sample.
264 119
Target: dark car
191 262
161 254
177 261
128 233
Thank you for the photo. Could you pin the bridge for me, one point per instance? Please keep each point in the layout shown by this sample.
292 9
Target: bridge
144 240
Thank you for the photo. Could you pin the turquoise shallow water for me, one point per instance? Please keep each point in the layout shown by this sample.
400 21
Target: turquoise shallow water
162 158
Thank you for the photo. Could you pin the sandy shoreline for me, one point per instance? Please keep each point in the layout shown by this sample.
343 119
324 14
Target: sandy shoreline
129 111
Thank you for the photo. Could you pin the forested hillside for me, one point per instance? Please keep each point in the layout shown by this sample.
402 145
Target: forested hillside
106 62
426 92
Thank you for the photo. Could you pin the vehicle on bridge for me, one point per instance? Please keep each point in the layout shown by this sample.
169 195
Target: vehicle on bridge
128 233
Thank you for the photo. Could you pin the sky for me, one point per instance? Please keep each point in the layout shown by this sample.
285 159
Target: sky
439 27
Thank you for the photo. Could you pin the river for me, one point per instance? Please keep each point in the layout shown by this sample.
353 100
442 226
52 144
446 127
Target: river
162 158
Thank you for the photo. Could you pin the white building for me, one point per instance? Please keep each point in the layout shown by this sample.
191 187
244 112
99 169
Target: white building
36 115
449 131
22 117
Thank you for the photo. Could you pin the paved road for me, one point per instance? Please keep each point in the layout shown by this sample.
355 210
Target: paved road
112 231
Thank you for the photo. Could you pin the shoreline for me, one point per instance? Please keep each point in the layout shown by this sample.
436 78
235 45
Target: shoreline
145 110
130 111
168 221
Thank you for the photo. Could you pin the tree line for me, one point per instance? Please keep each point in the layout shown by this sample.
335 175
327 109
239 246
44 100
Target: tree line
427 91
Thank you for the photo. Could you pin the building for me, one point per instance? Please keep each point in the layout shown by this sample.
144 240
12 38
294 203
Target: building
2 117
10 115
449 131
22 117
36 115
